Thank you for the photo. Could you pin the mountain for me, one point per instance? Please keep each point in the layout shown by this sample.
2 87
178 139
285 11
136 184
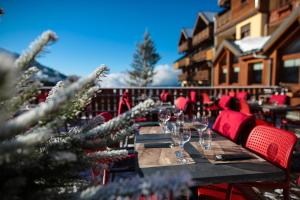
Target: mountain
47 75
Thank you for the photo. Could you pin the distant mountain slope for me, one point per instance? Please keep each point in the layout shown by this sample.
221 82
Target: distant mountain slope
47 75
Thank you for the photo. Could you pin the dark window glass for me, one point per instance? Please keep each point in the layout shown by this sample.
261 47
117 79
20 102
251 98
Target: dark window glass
256 73
235 75
223 75
291 71
245 31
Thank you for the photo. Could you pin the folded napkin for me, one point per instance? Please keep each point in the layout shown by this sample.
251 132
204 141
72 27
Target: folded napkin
230 157
157 145
152 138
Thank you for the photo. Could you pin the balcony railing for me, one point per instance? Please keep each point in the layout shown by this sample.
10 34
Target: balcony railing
184 62
184 46
200 56
202 75
202 36
182 77
281 13
223 19
108 98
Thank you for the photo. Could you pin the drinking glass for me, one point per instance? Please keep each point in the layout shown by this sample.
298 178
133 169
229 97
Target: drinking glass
184 137
174 134
200 124
164 116
207 139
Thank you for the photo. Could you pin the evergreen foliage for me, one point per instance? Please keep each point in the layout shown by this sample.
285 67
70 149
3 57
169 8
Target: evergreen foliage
144 61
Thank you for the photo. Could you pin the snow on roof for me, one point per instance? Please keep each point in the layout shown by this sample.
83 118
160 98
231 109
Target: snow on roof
209 16
188 32
251 43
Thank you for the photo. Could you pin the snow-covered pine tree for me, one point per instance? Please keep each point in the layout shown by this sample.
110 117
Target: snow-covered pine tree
144 61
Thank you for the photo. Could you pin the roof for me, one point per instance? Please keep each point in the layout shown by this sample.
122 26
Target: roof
209 16
229 45
188 32
251 44
282 29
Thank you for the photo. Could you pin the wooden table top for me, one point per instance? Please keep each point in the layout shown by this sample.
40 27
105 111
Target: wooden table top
204 169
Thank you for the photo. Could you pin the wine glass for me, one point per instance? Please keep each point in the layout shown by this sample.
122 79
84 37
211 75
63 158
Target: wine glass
164 116
184 137
200 124
175 135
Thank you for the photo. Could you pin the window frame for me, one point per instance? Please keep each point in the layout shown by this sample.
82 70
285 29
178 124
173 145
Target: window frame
245 30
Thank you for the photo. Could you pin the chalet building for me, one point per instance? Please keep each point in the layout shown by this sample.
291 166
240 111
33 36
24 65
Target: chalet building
258 43
196 46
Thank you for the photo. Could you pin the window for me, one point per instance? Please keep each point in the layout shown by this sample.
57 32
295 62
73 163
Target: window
245 31
235 75
223 75
256 73
291 71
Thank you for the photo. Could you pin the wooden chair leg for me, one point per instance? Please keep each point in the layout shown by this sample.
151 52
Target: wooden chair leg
229 192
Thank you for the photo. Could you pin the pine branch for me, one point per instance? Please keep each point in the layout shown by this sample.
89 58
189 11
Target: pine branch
36 47
21 123
160 185
120 122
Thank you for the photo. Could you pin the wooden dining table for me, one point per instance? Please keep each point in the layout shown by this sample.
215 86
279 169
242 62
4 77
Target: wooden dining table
155 154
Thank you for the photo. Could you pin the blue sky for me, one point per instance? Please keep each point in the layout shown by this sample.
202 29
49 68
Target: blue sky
94 32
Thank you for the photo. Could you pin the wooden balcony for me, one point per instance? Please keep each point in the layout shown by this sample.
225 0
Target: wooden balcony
184 62
202 75
280 14
202 36
203 55
223 19
185 46
183 77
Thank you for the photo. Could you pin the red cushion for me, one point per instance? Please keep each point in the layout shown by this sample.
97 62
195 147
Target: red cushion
224 102
231 123
193 96
242 95
280 99
218 192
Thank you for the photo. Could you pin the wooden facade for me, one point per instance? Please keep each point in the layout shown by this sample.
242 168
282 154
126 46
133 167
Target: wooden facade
196 45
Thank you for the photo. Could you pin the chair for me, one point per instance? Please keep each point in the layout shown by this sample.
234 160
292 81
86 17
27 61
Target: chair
185 105
224 102
231 94
276 146
234 125
165 96
106 115
242 95
280 99
193 97
124 104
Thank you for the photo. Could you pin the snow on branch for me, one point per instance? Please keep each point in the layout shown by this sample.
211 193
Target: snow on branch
160 185
21 123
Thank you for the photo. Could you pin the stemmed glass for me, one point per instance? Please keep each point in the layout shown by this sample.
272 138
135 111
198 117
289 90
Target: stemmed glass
200 124
164 116
179 116
184 137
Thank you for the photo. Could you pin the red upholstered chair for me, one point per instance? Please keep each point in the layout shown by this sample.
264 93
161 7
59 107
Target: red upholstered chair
242 95
234 125
106 115
224 102
280 99
231 94
276 146
165 96
124 103
185 105
205 98
193 97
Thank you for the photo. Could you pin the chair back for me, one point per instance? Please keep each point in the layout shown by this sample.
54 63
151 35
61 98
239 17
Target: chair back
185 105
231 94
106 115
205 98
280 99
244 107
165 96
242 95
224 102
193 97
234 125
124 104
273 144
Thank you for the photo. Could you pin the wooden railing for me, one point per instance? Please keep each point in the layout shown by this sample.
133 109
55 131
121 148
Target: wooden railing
202 35
108 98
184 62
223 19
183 76
184 46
